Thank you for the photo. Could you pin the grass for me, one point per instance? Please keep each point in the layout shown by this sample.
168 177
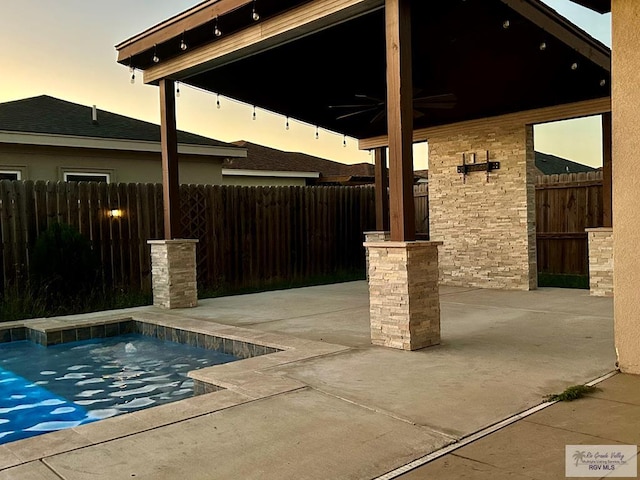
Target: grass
571 393
563 281
22 304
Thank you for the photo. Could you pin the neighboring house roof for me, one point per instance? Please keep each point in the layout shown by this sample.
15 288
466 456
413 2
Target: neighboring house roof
553 165
52 117
264 158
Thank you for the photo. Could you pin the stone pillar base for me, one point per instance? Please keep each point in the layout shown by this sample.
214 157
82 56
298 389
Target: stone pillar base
404 299
600 261
173 273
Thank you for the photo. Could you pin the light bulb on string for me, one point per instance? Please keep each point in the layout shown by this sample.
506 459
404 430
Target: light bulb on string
574 66
218 101
216 30
254 112
317 133
177 89
543 46
344 141
183 43
155 58
254 13
287 124
133 76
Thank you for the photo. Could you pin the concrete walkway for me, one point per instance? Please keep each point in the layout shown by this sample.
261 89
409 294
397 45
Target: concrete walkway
358 411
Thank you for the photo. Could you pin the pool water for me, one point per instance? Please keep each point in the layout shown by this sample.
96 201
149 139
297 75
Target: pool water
44 389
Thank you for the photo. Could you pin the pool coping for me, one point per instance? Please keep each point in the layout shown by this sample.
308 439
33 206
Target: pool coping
217 388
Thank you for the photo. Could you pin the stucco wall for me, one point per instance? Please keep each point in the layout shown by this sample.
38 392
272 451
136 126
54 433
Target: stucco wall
626 181
246 181
488 228
49 163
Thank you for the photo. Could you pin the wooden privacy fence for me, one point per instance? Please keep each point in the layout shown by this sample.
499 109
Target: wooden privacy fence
250 237
566 205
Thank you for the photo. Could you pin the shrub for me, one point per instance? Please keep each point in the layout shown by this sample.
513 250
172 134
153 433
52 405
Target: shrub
63 264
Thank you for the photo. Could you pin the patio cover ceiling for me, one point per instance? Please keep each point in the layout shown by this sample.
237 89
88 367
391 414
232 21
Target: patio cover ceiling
303 56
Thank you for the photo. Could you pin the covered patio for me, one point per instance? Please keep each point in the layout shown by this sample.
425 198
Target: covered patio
469 76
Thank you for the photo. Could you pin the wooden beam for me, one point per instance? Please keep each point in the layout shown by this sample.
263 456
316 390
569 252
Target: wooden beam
607 186
176 26
563 30
527 117
382 190
169 142
292 24
400 120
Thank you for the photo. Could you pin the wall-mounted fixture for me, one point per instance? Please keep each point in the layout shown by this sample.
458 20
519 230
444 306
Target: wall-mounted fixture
115 213
469 165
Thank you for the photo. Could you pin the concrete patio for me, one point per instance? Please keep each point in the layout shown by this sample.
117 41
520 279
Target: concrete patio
350 410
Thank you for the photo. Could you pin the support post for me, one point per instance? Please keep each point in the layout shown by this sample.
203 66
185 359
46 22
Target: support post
382 190
169 142
400 119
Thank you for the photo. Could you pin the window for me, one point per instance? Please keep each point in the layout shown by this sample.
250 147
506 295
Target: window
86 177
10 175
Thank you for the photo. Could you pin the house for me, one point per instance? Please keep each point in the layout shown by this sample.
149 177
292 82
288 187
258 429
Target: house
46 138
549 164
270 166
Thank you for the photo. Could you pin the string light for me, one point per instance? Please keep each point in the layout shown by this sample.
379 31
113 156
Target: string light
133 76
183 43
216 31
344 141
254 112
177 89
603 82
543 46
254 13
287 124
317 133
218 101
574 66
156 59
506 24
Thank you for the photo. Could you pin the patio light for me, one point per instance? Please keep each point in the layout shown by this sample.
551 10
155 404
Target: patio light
183 44
255 14
155 59
216 30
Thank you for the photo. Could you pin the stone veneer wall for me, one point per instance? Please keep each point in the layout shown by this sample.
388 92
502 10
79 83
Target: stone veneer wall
601 261
173 273
488 228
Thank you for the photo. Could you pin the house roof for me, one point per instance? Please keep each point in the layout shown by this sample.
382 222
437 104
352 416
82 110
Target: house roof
51 116
495 57
600 6
260 157
553 165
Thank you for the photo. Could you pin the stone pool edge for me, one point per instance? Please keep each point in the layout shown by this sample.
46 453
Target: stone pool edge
217 388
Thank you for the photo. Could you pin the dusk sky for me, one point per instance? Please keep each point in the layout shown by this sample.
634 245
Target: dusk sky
65 48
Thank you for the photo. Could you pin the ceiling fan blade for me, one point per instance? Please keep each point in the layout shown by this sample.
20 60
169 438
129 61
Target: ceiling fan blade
379 116
359 112
351 106
444 97
417 114
377 101
446 100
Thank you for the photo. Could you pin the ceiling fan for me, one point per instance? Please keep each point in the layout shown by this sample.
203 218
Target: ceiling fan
377 107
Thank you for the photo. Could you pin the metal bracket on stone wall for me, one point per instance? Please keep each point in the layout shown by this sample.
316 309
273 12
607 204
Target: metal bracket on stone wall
472 166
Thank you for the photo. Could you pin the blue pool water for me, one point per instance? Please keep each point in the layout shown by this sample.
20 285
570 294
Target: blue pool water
44 389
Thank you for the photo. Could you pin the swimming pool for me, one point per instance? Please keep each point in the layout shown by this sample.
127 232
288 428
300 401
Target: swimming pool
45 389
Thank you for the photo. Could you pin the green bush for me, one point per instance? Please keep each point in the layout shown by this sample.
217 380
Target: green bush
63 264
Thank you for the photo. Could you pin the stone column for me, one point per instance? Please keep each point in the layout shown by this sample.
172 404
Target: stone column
600 261
173 273
403 294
